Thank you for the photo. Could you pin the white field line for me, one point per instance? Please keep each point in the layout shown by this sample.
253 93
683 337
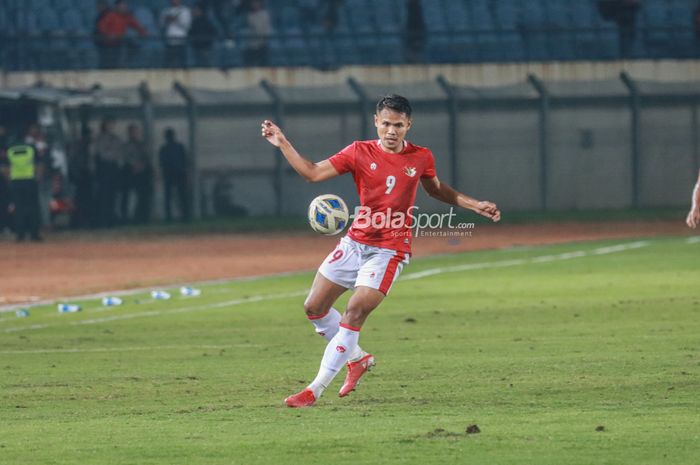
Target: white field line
36 302
693 240
126 349
509 263
407 277
129 316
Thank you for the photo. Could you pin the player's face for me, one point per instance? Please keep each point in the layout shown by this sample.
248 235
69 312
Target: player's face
391 129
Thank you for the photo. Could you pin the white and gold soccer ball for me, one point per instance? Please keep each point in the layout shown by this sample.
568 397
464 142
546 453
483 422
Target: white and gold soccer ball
328 214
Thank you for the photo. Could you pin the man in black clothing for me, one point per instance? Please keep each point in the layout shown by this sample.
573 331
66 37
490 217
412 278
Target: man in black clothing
414 33
201 35
173 167
624 13
138 176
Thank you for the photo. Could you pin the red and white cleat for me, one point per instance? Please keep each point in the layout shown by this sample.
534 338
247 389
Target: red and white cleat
355 372
305 398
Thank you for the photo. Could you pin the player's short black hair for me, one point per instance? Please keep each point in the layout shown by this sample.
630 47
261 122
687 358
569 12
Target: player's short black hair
396 103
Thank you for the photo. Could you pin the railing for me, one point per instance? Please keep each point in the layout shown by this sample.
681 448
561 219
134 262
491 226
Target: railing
75 52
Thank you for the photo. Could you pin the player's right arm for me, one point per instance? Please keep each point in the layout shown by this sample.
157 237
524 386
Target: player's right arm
694 215
310 171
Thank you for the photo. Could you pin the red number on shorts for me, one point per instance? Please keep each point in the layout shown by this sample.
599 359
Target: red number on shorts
337 255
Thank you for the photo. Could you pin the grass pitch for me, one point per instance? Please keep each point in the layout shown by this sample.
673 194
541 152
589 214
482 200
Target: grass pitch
577 353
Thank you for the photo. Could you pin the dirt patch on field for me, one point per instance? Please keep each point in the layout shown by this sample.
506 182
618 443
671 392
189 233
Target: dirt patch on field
68 265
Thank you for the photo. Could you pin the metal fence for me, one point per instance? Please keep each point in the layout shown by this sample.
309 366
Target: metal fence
536 145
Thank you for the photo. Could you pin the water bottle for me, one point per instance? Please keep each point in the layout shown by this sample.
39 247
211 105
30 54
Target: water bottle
22 313
160 295
189 291
111 301
68 308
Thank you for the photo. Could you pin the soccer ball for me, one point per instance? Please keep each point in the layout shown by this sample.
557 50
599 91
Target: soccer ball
328 214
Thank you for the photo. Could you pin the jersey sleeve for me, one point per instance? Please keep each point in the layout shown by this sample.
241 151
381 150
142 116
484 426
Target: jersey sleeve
344 161
429 170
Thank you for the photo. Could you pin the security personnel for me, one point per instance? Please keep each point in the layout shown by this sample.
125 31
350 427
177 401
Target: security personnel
25 171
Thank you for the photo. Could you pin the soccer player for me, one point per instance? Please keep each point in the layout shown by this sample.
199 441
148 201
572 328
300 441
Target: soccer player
694 214
387 172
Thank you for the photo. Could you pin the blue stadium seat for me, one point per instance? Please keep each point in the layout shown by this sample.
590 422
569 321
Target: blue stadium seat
534 30
681 22
48 21
458 17
656 31
434 15
389 17
149 22
287 19
481 19
61 5
72 22
29 21
506 14
592 35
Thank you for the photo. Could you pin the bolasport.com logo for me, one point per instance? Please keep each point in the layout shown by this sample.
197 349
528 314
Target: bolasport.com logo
412 222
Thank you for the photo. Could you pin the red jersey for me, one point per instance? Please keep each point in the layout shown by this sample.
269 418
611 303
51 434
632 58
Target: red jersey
113 25
387 184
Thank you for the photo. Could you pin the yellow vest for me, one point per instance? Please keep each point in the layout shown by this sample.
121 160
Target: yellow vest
21 159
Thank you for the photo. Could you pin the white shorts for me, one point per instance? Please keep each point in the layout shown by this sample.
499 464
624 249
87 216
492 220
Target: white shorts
352 264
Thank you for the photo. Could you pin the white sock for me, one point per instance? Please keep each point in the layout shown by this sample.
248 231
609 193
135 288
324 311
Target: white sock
336 355
327 326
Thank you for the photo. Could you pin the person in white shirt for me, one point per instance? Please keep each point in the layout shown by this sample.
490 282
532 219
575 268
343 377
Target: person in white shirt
175 22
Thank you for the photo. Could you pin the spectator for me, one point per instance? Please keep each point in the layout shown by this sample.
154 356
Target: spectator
220 10
102 8
138 176
202 35
175 22
82 170
331 10
260 27
5 220
624 13
109 156
414 36
36 138
173 167
112 29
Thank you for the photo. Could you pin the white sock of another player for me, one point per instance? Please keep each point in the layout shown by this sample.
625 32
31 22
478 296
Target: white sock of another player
327 326
336 355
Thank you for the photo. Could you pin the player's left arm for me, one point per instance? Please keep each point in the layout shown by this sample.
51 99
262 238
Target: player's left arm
445 193
693 217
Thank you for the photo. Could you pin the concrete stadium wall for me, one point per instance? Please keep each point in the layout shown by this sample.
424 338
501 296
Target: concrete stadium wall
493 74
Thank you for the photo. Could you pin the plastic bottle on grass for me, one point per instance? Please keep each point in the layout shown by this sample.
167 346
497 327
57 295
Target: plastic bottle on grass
68 308
111 301
190 291
160 295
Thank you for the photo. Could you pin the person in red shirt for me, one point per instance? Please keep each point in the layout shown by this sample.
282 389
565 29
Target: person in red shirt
386 172
111 31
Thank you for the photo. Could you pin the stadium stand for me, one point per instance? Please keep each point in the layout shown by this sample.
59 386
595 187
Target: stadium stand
52 34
